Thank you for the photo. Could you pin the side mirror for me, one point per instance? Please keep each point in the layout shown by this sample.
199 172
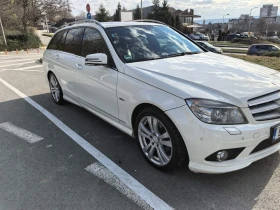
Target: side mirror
96 59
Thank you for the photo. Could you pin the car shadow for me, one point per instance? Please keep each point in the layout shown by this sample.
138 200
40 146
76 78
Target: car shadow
181 188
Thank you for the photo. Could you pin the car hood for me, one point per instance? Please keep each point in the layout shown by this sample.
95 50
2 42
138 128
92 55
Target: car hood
207 75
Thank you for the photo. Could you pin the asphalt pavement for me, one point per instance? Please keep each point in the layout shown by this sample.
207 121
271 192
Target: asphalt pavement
44 39
43 167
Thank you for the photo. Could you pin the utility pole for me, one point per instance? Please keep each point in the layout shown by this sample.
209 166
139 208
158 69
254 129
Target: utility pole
141 10
47 23
250 20
3 32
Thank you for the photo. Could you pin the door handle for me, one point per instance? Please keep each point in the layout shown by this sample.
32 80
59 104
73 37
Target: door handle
56 56
79 66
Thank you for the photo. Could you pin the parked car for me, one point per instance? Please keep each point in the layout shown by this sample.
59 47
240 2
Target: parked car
181 104
210 47
261 49
230 37
53 29
192 36
201 37
274 37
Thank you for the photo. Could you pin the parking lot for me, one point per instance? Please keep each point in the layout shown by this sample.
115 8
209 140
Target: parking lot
63 157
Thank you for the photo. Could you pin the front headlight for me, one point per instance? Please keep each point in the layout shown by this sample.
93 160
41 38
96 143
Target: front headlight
215 112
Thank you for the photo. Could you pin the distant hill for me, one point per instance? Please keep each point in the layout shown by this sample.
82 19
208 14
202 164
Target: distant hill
220 20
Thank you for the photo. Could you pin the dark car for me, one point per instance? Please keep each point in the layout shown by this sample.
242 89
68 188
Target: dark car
210 47
191 36
260 49
53 29
230 37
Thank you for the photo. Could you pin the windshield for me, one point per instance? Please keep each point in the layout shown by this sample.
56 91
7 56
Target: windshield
148 42
209 45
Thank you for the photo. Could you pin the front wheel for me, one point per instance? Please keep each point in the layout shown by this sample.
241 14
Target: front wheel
159 140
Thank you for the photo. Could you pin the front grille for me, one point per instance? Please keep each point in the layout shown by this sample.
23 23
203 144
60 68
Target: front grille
265 107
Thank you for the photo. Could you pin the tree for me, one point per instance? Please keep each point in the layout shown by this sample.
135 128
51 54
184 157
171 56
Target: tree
261 25
117 15
177 23
102 14
137 13
82 14
165 15
155 12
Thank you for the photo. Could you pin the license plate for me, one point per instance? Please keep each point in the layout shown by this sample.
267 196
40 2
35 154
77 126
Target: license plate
275 133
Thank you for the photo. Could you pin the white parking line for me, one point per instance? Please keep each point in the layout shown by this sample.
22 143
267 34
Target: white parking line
25 69
103 173
20 132
144 193
18 64
14 60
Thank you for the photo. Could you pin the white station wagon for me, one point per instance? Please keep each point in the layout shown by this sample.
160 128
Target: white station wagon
184 105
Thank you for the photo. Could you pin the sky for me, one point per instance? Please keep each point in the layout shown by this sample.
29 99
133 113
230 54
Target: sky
207 9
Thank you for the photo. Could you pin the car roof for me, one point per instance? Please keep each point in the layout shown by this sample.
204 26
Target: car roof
263 44
106 24
129 23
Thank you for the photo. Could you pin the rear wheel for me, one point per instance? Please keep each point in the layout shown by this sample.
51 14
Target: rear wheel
159 140
56 90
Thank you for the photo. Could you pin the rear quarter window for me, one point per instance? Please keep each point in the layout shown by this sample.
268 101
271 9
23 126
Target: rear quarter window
55 41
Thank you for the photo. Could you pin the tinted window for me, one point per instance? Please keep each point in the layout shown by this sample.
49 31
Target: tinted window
73 41
55 41
93 42
149 42
262 47
62 40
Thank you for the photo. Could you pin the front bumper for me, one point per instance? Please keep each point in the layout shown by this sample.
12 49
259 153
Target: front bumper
203 139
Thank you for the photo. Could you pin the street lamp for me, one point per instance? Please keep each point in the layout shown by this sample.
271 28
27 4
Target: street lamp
224 17
224 21
250 20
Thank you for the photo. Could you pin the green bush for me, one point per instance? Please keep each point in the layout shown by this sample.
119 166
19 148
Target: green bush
248 41
272 54
17 40
274 41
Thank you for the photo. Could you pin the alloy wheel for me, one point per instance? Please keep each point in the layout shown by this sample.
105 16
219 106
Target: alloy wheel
55 89
155 140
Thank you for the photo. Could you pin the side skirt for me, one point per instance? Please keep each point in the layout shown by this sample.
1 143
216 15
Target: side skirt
99 113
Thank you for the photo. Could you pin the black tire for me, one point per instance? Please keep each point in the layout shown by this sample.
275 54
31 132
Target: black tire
58 99
179 155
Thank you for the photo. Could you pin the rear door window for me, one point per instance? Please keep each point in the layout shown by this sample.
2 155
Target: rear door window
62 40
55 41
73 41
262 47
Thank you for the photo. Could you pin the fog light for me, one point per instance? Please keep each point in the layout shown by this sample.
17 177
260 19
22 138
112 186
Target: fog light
222 155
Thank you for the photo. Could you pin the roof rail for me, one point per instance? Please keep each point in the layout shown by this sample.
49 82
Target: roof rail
148 21
82 21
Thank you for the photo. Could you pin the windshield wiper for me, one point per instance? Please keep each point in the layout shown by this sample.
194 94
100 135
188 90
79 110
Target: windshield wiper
181 54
